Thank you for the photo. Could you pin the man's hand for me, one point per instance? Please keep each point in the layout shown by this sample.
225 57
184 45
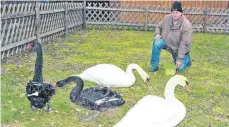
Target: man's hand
157 37
178 64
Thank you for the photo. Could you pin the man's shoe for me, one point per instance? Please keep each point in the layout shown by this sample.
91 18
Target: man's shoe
153 68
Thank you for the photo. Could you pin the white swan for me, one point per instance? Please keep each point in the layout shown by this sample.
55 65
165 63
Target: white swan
154 111
109 75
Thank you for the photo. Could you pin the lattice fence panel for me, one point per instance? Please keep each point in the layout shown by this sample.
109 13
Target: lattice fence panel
119 15
96 14
156 14
75 16
52 20
196 17
17 26
19 19
217 20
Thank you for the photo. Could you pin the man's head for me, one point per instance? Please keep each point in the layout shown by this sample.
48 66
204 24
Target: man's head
176 10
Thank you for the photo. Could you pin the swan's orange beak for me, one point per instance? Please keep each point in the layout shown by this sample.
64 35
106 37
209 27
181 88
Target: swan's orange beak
188 88
29 46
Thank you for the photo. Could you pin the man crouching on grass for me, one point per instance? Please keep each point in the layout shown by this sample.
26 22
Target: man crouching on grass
174 34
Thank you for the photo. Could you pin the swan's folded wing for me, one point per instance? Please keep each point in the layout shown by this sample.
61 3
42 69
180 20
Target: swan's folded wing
101 71
104 74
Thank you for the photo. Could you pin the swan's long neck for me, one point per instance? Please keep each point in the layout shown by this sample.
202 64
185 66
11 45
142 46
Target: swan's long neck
39 64
130 73
140 71
77 89
169 90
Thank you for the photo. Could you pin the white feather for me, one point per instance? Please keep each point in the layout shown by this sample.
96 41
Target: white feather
98 102
33 94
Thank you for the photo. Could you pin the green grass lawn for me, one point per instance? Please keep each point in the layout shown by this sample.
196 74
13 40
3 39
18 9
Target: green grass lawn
207 104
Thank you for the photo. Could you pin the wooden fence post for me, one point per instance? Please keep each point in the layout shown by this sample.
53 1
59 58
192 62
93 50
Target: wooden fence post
66 18
84 15
146 22
205 17
228 12
37 23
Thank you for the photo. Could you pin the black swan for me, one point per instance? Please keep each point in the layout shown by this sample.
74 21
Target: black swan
94 98
38 92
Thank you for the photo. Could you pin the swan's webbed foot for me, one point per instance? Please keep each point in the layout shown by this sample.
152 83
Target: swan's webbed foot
32 107
90 116
48 107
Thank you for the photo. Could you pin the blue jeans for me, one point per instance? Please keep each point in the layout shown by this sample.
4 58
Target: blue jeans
156 50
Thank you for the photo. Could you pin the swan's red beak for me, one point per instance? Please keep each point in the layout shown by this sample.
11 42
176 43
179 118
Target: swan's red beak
54 86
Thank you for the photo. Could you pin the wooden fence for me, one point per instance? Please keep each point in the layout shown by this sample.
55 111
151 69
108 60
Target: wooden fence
125 15
25 21
186 3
